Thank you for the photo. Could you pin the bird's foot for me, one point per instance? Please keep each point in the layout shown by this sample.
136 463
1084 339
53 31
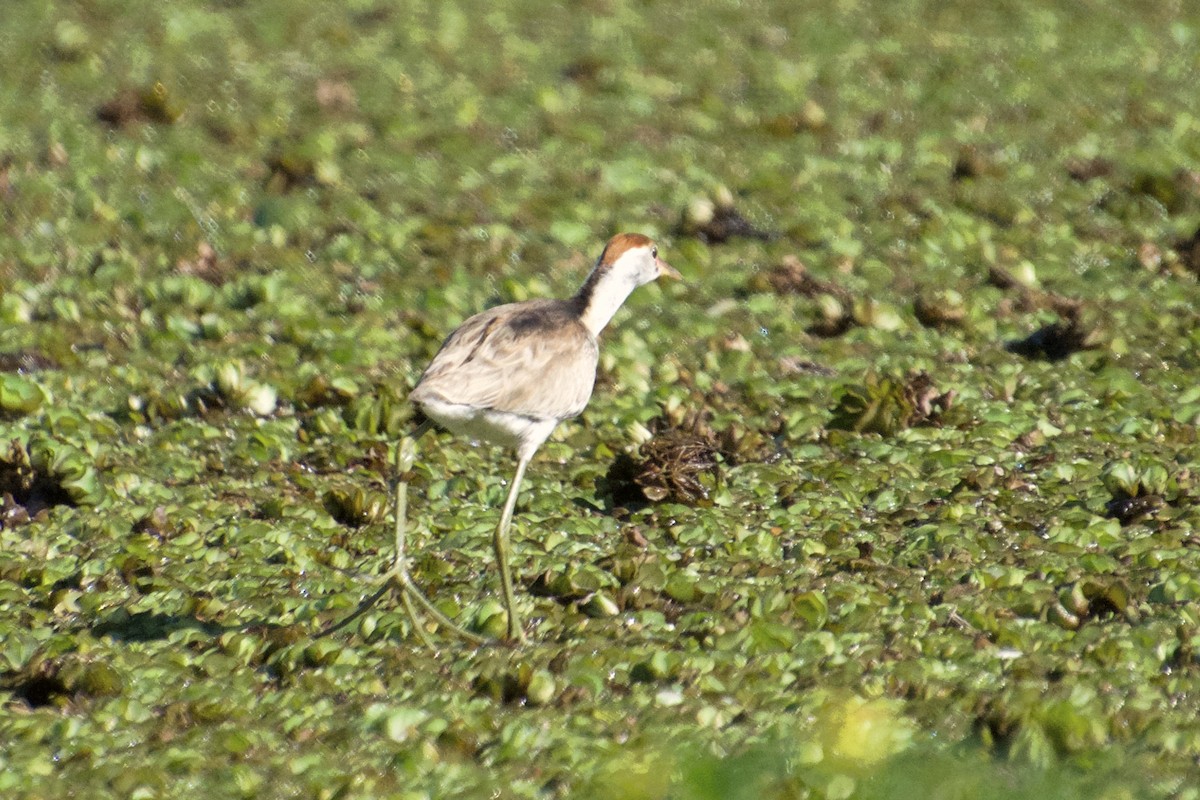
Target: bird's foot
411 593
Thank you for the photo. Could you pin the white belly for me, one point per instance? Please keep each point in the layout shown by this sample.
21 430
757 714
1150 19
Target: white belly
521 433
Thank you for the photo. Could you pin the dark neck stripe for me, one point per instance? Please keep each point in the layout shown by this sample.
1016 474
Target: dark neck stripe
583 298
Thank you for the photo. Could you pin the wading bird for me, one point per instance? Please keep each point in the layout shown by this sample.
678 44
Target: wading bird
508 376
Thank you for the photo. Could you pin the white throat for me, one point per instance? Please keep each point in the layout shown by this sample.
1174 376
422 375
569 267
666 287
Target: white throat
607 295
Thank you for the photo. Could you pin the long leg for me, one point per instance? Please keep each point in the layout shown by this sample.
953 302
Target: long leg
398 575
501 544
405 456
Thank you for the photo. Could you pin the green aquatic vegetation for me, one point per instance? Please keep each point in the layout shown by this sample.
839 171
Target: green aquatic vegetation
896 491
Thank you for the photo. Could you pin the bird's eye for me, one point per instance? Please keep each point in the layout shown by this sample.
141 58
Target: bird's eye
654 252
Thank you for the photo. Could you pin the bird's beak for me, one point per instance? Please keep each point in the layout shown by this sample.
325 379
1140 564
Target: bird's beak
665 270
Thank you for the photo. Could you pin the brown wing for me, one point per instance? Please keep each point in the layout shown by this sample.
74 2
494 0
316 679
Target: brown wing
535 359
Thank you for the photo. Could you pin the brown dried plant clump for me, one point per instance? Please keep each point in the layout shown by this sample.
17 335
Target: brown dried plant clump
1086 169
972 162
336 96
1058 340
713 219
1071 333
836 304
887 406
939 310
205 265
683 449
1189 252
26 361
152 104
671 465
26 492
791 276
1128 510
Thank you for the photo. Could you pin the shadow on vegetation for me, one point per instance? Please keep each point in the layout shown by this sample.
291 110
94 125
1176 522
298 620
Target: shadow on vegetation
714 220
148 626
27 488
1055 341
62 682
